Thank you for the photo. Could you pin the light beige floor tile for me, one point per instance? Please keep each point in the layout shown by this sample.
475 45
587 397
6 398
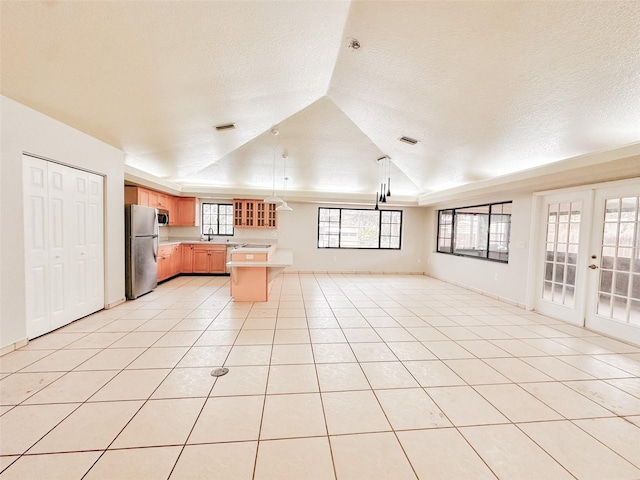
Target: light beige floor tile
361 335
487 332
353 412
483 349
61 360
242 381
327 335
427 334
433 373
411 351
595 367
173 314
635 419
517 370
122 326
198 324
97 340
294 459
443 454
225 461
566 401
629 385
53 341
249 355
287 323
333 353
395 334
186 382
458 333
513 455
557 369
131 385
290 336
213 356
549 346
73 387
23 426
291 354
18 359
111 359
177 339
578 452
288 416
138 339
8 460
618 434
411 409
447 350
624 362
259 323
464 406
292 379
517 404
255 337
155 462
15 388
291 312
373 352
221 337
386 322
93 426
178 417
161 357
518 348
62 466
321 320
608 396
476 372
388 375
229 419
371 456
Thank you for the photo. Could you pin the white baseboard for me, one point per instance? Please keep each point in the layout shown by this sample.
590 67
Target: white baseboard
13 346
115 304
481 292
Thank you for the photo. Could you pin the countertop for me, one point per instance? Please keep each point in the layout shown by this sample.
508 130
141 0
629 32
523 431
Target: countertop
234 243
282 257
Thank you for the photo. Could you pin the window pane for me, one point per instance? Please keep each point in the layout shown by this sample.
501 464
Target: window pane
358 228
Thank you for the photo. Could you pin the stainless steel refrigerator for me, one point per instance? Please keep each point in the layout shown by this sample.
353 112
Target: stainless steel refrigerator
141 250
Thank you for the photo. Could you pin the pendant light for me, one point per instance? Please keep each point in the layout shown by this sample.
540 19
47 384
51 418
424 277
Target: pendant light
273 198
283 207
384 171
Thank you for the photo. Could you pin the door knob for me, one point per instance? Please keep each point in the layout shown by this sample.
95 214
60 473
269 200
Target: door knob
593 266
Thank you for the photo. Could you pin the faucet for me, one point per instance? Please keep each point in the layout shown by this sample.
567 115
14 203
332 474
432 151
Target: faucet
209 234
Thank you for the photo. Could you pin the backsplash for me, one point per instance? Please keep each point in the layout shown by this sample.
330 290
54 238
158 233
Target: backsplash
249 235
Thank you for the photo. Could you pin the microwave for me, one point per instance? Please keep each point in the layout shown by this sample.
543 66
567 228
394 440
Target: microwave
163 217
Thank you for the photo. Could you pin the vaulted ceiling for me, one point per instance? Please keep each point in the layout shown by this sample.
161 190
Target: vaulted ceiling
487 88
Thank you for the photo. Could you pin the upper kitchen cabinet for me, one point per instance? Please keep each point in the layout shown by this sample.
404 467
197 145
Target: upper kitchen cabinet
137 195
254 214
187 215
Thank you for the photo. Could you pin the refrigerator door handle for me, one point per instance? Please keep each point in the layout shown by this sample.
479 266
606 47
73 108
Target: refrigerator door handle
155 249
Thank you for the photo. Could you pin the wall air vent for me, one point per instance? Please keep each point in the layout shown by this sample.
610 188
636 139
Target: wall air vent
229 126
409 140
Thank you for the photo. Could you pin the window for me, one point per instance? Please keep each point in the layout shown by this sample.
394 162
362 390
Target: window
353 228
481 231
217 219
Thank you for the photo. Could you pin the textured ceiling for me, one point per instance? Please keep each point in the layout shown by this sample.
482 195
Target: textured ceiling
488 88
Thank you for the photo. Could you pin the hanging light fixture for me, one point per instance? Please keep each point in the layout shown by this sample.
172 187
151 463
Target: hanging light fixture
273 198
283 207
384 171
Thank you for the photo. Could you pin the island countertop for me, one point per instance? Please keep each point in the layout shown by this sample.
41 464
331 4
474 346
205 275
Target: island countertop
281 257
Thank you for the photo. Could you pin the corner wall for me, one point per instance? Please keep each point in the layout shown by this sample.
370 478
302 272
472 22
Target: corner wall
24 130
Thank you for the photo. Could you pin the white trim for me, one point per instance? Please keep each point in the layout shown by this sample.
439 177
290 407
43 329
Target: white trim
13 346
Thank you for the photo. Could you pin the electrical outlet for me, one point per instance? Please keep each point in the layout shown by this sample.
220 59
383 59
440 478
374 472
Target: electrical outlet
495 277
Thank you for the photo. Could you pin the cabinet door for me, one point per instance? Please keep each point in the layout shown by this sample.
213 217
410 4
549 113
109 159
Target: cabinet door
187 259
176 260
218 261
272 216
163 201
143 197
261 216
164 262
187 212
172 208
249 213
200 261
238 213
153 199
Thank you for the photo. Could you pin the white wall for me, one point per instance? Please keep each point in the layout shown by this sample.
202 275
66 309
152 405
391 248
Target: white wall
299 230
507 281
24 130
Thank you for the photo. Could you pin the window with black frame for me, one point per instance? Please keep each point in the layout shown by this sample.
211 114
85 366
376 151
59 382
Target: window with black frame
480 231
217 218
359 228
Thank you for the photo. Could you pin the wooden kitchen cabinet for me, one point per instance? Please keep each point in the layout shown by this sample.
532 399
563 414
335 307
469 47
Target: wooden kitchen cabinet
209 258
187 259
254 214
187 212
164 262
136 195
175 264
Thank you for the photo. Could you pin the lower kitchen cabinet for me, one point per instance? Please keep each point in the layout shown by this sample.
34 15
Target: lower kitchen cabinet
169 261
209 258
187 259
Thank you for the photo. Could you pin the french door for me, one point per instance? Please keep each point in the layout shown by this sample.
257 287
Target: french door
588 262
613 305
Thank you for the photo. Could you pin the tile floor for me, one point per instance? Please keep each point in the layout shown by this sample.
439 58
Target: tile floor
337 376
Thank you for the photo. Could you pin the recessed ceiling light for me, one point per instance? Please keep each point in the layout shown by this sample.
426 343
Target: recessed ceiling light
409 140
228 126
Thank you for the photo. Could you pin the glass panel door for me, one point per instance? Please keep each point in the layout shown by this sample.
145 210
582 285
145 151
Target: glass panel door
615 286
564 223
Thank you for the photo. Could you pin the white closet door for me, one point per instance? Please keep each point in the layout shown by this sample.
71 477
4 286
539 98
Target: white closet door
36 234
73 259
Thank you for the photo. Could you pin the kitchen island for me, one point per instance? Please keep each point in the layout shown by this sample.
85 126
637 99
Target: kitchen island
253 268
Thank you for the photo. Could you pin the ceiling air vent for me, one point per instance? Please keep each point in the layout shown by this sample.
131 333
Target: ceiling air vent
229 126
409 140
